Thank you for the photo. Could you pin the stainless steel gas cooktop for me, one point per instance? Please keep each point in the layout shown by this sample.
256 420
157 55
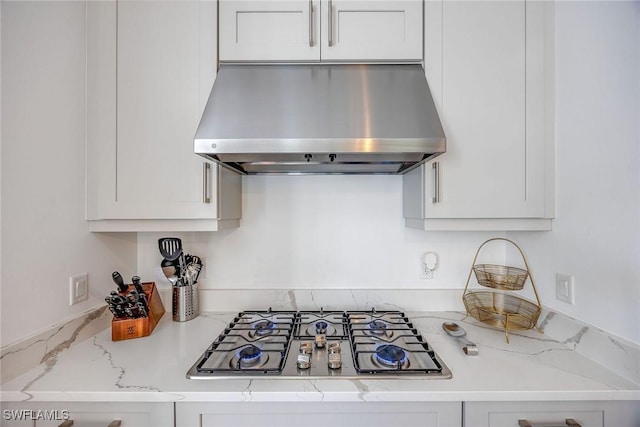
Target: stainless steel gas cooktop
319 344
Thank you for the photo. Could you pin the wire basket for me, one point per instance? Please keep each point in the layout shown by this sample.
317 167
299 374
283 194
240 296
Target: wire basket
501 309
500 276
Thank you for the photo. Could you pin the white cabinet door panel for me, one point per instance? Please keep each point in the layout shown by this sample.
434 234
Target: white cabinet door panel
159 104
150 69
365 30
269 30
482 106
320 414
487 64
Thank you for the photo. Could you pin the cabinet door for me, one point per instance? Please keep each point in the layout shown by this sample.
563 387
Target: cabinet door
151 66
87 414
253 30
320 414
364 30
484 62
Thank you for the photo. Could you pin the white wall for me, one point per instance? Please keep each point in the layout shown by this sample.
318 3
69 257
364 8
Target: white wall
596 236
318 232
323 232
45 237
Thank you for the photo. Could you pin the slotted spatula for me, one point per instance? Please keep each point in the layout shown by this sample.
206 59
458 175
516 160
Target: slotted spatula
171 249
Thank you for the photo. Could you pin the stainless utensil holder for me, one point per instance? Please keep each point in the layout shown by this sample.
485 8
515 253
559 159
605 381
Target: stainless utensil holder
186 304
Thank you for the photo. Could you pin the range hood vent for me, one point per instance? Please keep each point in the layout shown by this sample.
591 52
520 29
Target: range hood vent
320 119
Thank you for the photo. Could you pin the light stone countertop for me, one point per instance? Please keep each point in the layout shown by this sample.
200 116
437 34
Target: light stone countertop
152 369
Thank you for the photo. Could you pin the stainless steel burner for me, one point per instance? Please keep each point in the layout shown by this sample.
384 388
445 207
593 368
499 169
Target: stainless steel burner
379 329
320 327
390 356
248 356
262 328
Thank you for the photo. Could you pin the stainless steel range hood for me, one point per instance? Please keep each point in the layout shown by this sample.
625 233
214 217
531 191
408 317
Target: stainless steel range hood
320 119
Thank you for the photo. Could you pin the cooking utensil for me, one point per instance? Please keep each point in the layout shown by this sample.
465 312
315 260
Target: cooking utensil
194 266
170 271
171 249
456 331
119 281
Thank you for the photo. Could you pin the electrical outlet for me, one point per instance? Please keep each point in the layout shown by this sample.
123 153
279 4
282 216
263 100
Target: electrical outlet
78 288
428 263
564 288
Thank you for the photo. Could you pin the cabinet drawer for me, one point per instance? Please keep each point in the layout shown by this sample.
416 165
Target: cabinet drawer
87 414
538 414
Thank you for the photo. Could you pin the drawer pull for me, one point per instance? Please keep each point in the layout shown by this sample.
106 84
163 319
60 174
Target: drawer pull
568 422
115 423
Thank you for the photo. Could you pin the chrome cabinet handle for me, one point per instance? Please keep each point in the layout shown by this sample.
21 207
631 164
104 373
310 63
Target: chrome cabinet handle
206 182
115 423
568 422
310 23
436 182
330 23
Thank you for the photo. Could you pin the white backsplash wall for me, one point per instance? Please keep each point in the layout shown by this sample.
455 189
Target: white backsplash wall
323 232
596 236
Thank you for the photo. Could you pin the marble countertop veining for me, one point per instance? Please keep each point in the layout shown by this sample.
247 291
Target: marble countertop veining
152 369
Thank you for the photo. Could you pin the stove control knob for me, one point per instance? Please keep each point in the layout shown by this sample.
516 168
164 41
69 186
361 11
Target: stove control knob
321 340
334 358
304 355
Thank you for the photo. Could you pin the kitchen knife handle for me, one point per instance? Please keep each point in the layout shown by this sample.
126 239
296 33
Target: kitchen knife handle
206 182
310 23
115 423
568 422
66 423
330 23
436 182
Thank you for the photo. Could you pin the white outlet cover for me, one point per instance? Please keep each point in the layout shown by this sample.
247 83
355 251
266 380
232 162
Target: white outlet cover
564 288
78 288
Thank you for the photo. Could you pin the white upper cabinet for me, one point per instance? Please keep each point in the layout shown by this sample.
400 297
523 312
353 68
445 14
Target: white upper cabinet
321 30
151 66
362 30
269 30
487 64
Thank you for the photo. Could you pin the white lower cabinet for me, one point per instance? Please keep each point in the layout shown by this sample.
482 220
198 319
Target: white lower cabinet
87 414
556 414
320 414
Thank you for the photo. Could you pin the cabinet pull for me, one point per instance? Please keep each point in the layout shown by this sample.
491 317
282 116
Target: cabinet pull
436 182
330 23
66 423
115 423
206 183
310 23
568 422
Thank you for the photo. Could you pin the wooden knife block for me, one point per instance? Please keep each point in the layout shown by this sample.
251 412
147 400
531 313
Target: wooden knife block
124 329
